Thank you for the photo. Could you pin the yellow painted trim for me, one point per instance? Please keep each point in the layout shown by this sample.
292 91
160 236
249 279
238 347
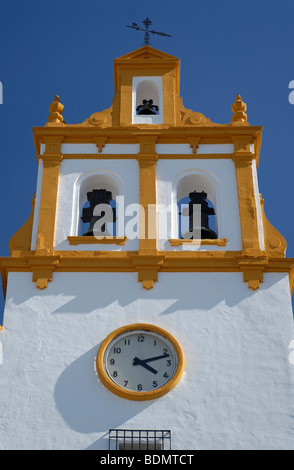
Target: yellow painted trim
100 156
247 202
51 168
82 260
217 242
207 258
275 243
251 249
143 56
97 241
132 395
42 268
147 159
147 266
218 134
100 143
134 156
145 62
253 269
200 156
291 280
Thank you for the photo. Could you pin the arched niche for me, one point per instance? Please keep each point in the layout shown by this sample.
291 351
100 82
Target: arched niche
147 89
85 184
187 183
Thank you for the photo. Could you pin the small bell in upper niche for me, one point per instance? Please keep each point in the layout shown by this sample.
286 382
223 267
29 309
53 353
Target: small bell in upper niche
147 108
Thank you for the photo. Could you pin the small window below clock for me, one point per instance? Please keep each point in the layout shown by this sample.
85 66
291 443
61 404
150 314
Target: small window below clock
130 439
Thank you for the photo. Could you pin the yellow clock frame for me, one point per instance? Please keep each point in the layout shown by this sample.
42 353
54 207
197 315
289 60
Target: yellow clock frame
131 394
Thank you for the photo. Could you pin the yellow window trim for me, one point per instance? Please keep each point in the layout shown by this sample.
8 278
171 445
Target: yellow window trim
81 240
203 241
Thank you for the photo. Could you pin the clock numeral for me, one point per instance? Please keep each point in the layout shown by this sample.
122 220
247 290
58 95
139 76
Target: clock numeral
112 362
117 350
114 374
140 386
164 351
168 362
126 382
154 383
154 342
141 339
127 342
165 375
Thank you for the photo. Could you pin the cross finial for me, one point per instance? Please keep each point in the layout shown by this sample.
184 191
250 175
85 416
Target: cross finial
147 23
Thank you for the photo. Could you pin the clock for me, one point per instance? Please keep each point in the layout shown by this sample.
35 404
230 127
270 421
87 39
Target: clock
140 362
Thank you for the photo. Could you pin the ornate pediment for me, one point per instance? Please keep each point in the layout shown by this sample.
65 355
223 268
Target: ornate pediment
146 52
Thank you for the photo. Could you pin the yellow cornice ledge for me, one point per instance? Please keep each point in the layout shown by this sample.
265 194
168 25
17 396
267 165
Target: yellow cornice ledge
42 268
147 266
253 268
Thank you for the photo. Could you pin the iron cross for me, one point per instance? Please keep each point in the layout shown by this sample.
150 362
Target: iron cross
147 23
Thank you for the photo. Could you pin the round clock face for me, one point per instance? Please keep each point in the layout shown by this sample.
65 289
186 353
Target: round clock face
140 362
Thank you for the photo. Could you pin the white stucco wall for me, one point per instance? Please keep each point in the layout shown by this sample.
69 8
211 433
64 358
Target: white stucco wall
237 389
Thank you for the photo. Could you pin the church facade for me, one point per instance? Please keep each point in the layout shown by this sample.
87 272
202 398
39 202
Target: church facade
147 297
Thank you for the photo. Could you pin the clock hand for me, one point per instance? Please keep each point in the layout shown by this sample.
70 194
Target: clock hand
137 361
155 358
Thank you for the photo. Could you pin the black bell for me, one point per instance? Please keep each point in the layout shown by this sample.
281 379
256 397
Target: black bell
203 232
147 108
96 197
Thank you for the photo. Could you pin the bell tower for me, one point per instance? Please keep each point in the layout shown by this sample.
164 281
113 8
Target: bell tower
147 293
149 81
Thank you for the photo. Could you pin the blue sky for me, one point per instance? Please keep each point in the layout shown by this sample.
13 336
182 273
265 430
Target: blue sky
67 48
